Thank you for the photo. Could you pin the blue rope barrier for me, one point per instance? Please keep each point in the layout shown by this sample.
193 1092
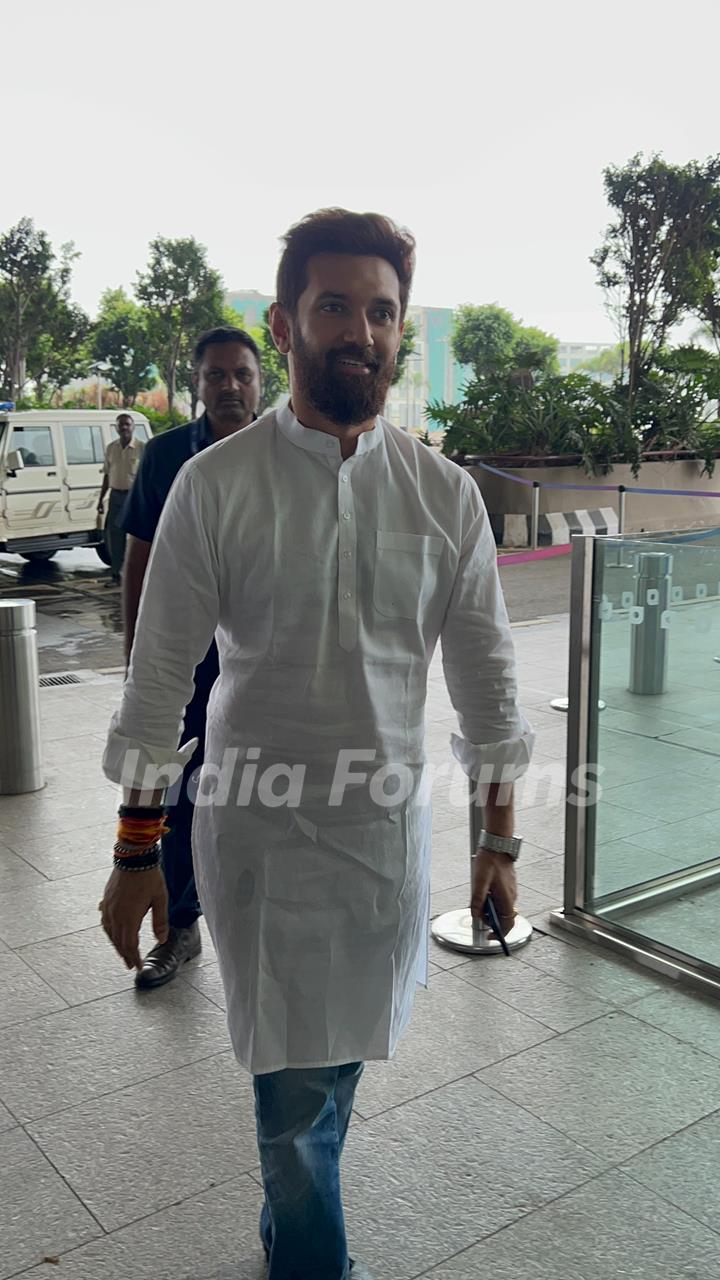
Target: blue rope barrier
599 488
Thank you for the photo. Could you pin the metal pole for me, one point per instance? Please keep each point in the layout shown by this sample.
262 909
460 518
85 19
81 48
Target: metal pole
535 515
648 632
621 509
20 741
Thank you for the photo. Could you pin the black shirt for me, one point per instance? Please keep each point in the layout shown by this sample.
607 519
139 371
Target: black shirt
162 459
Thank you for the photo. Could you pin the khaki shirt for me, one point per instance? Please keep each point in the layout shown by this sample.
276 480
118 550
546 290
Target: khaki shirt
121 464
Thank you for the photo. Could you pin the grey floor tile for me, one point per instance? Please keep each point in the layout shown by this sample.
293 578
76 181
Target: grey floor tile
702 739
7 1121
544 827
589 969
602 1231
87 848
621 864
668 798
206 978
64 753
51 909
212 1236
58 812
544 877
684 843
93 1049
39 1215
541 996
126 1155
84 966
454 1030
683 1169
691 1018
15 872
592 1083
442 956
23 994
437 1174
615 823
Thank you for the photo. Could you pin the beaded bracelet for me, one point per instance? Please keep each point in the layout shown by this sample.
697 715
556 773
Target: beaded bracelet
135 851
122 864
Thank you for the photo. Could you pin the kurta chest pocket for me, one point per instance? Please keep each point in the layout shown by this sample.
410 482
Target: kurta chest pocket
406 569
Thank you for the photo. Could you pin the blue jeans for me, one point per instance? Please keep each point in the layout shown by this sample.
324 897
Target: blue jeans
302 1121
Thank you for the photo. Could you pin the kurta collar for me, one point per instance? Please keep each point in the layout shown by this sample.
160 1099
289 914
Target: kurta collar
320 441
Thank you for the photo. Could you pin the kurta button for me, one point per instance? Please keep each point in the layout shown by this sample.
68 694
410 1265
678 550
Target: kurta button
346 515
347 595
344 479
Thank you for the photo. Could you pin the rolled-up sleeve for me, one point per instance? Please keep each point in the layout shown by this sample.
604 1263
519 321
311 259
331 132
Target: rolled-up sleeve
176 623
479 658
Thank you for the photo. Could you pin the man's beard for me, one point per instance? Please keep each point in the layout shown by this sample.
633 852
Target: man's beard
346 399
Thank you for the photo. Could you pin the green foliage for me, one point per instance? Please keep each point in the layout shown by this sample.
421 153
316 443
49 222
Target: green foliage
405 350
59 353
274 365
613 361
37 320
120 343
162 420
183 296
659 255
493 343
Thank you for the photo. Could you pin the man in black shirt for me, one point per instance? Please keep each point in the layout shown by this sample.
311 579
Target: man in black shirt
227 379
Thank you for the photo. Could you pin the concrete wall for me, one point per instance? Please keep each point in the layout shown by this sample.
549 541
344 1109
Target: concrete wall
643 512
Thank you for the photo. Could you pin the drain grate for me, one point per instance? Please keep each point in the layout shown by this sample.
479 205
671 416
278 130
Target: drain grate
47 682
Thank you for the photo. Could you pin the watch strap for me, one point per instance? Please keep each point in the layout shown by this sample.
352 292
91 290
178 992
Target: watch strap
511 845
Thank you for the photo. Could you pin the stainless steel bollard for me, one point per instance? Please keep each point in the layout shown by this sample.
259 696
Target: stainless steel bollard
20 742
649 633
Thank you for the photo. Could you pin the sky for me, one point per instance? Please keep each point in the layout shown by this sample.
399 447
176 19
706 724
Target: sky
483 127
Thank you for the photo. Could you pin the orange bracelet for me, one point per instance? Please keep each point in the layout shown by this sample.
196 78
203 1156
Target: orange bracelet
141 831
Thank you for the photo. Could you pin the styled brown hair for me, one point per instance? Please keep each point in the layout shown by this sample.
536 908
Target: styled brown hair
342 231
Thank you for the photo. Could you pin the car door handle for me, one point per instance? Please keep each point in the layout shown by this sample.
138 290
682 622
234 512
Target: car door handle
52 473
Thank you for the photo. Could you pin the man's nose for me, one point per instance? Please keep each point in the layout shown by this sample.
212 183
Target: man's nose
229 382
358 330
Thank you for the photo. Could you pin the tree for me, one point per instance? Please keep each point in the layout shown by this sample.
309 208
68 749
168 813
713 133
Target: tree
59 353
405 350
659 254
274 364
183 296
32 282
612 362
120 341
493 343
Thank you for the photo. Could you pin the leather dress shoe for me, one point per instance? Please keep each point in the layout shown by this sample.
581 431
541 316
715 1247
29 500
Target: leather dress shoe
162 963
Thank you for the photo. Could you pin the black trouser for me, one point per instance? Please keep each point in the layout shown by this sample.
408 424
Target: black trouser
115 536
184 907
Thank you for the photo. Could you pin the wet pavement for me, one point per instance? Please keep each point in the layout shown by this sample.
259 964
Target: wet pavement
79 610
79 618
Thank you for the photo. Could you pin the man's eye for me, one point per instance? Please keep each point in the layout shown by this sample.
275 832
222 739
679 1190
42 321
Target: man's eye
384 315
332 307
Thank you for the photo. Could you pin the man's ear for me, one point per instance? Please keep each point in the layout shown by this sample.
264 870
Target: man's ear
194 378
279 328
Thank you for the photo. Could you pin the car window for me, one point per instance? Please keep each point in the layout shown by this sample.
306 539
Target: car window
34 445
83 444
141 432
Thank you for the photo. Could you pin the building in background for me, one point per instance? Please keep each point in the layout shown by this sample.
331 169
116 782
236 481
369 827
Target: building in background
430 373
571 355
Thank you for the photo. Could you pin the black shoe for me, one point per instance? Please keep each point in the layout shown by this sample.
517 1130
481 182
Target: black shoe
162 963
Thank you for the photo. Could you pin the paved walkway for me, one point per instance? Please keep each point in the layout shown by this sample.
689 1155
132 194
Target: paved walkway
555 1116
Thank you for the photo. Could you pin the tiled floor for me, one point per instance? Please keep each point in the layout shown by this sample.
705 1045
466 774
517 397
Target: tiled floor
555 1116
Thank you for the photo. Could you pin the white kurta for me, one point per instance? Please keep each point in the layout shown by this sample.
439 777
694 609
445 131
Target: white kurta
327 583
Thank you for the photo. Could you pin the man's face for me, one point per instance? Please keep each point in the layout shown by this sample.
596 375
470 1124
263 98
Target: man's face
345 336
228 383
124 428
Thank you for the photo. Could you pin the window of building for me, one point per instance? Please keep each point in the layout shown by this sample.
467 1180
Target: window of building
34 445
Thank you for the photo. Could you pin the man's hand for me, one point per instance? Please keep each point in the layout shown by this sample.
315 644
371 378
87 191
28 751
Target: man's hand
129 895
494 873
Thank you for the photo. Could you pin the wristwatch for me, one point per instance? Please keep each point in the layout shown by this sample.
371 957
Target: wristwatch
511 845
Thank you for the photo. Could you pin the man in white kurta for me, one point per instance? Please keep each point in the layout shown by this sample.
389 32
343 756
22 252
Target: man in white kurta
327 565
